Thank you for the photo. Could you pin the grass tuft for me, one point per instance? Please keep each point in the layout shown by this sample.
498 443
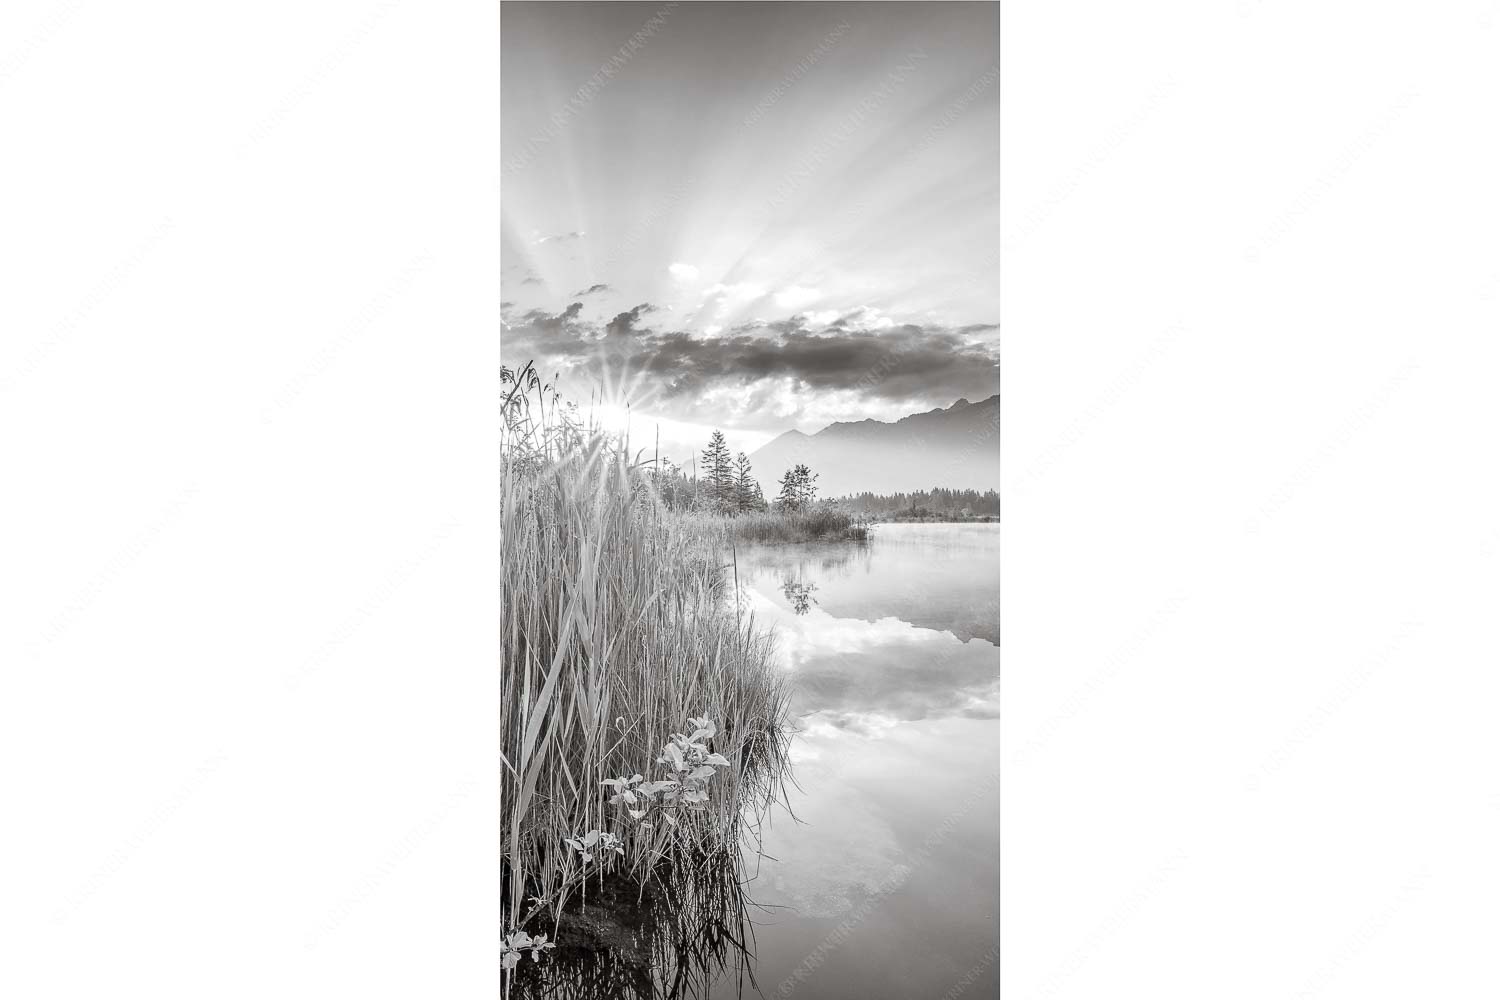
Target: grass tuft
820 524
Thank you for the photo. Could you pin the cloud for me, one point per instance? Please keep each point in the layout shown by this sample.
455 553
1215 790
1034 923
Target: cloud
863 318
531 279
560 237
796 296
683 272
769 374
818 319
594 289
850 668
541 320
624 324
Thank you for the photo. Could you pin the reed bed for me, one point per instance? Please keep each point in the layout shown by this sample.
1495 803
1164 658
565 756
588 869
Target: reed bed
819 524
674 937
616 630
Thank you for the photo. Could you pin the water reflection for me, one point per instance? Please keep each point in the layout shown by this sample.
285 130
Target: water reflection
798 595
668 939
886 885
944 577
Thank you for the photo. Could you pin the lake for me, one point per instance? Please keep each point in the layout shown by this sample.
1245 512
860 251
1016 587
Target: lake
885 886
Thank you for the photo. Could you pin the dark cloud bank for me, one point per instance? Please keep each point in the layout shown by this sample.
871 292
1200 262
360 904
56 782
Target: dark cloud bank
937 364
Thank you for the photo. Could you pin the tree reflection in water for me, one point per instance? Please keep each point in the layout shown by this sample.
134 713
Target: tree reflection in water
798 594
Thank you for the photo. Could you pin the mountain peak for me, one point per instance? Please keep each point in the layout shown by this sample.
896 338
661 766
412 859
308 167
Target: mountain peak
960 404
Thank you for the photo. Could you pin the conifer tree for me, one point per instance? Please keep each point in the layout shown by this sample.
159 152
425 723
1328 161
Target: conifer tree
809 487
746 488
718 477
798 489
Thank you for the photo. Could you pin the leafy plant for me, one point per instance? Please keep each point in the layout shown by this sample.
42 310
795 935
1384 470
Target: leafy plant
595 840
512 947
691 764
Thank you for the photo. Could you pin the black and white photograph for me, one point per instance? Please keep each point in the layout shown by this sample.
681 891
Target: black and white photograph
751 461
749 499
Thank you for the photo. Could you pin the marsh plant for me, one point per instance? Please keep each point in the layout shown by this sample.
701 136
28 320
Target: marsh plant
691 764
616 631
674 936
822 523
515 945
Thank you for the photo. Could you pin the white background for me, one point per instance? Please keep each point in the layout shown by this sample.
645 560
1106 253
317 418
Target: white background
1250 292
249 545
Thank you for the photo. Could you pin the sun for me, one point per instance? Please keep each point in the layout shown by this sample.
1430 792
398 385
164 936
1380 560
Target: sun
612 418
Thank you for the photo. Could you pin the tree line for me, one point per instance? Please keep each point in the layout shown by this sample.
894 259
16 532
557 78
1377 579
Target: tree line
937 501
722 482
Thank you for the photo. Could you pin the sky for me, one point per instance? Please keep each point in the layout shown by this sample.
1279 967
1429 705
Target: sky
751 217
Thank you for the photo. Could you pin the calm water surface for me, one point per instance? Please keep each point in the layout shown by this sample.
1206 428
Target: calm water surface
886 884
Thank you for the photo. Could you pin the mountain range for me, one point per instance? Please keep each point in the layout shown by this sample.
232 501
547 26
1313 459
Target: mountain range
957 447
